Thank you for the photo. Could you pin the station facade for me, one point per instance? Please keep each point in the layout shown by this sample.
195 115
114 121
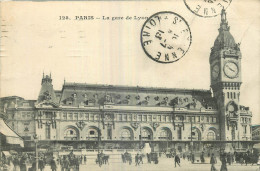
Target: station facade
86 116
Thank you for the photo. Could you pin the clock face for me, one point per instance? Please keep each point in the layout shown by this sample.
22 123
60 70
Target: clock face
231 108
215 71
231 69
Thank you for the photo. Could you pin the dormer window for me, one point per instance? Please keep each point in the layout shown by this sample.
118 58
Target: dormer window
156 98
85 95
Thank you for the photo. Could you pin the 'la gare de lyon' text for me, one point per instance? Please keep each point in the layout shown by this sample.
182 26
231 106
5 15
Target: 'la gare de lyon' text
113 18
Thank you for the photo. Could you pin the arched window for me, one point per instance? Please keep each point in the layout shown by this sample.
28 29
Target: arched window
196 134
165 134
211 135
125 134
146 134
70 134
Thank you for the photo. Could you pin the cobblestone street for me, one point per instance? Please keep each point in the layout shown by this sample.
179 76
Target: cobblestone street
165 164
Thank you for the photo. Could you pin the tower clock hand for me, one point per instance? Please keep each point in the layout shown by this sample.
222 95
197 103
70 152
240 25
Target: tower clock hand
230 68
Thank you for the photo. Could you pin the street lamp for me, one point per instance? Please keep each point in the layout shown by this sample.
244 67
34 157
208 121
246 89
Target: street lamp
36 153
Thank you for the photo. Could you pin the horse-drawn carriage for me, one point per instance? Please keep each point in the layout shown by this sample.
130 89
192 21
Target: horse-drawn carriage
127 158
102 159
154 158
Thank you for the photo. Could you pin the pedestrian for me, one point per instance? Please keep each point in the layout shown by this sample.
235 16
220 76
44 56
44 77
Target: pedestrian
16 163
41 164
85 159
137 159
23 164
229 158
148 158
223 163
177 160
213 161
202 159
65 164
33 168
192 157
53 164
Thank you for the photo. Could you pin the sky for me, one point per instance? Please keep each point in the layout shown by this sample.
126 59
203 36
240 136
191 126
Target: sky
34 40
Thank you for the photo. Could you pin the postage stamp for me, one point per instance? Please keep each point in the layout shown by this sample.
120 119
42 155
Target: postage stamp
207 8
166 37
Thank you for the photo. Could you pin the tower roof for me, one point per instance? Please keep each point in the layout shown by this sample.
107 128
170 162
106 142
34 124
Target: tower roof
224 40
47 92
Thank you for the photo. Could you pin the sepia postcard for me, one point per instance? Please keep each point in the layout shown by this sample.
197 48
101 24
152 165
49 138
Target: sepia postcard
130 85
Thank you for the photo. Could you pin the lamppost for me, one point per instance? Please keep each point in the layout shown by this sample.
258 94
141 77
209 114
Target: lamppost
36 153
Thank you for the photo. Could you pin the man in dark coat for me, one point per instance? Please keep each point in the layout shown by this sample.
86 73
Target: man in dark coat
229 158
22 164
41 164
177 160
213 161
53 165
223 162
202 159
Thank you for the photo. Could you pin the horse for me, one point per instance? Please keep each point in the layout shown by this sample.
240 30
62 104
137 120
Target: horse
127 158
105 159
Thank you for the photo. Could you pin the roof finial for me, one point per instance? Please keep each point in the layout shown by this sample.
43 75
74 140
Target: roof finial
223 15
64 80
50 74
43 74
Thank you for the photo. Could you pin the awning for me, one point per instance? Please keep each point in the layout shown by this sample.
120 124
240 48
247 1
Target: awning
11 136
257 146
6 153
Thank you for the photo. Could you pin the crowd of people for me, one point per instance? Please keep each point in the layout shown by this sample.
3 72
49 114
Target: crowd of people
71 162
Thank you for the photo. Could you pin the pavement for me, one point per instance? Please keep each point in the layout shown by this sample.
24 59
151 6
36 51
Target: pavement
165 164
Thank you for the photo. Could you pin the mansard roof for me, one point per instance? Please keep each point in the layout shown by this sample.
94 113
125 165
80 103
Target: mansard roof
81 94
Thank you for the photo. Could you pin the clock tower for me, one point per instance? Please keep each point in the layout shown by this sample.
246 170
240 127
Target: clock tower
225 71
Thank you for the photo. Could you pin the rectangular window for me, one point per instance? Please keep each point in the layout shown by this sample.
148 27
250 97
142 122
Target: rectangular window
129 117
109 133
202 118
211 118
179 132
48 131
96 117
144 118
70 116
48 115
214 120
75 116
86 116
139 118
150 118
198 119
244 130
120 117
64 116
169 118
164 118
154 117
91 117
159 118
207 119
124 117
